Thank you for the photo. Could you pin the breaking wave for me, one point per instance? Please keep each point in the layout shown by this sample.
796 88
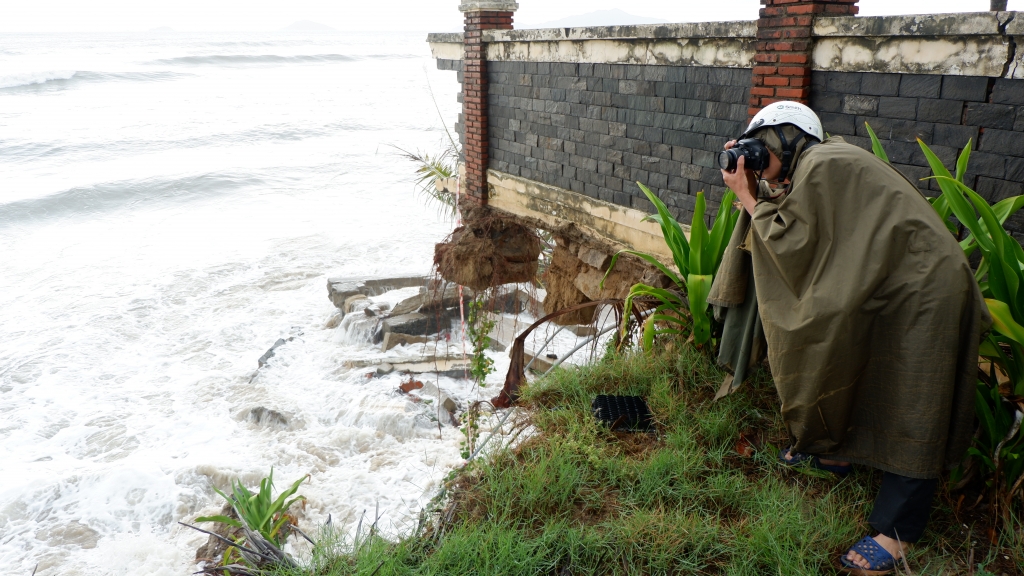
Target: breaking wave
32 78
104 197
44 80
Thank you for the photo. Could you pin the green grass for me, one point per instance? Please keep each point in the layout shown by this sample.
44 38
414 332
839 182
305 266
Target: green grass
578 499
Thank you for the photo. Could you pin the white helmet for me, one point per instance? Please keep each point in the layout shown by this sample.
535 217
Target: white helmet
793 113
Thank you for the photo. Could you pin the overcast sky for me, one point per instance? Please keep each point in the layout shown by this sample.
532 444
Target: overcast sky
423 15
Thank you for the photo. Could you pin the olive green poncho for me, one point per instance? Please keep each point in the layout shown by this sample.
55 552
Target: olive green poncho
871 313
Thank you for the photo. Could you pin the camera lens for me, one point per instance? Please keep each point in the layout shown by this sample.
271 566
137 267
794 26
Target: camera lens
727 160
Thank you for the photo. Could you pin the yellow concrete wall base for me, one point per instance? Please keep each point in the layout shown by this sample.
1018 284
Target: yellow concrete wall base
622 228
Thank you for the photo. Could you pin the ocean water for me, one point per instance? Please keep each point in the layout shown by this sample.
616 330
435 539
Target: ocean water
171 205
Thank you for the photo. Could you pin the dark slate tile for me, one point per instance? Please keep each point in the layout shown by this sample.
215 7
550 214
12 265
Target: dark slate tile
933 110
1015 169
1018 124
860 105
995 190
973 88
920 85
843 82
826 102
955 135
686 139
1008 91
880 84
914 173
991 115
697 75
837 124
987 164
818 80
894 107
1002 142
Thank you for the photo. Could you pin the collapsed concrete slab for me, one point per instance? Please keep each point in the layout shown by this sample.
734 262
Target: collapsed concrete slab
340 289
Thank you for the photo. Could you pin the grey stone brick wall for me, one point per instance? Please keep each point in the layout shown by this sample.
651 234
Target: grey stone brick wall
597 129
944 112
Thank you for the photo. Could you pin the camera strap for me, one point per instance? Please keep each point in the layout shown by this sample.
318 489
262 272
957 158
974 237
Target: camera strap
788 151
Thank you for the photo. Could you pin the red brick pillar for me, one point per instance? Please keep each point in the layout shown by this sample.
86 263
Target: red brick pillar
782 65
480 15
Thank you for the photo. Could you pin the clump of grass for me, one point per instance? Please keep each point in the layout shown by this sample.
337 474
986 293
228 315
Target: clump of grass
576 498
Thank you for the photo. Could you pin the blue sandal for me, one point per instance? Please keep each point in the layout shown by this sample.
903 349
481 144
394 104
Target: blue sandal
801 457
879 559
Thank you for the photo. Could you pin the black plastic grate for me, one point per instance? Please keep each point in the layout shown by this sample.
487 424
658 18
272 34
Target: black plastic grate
623 413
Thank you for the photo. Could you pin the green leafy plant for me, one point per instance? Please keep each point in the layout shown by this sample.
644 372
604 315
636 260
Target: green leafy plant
431 171
999 445
259 511
478 330
696 260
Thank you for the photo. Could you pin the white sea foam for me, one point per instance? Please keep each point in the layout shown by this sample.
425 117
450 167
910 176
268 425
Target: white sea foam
13 80
157 239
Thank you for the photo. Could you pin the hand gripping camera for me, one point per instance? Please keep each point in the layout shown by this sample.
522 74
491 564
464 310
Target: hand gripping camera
750 148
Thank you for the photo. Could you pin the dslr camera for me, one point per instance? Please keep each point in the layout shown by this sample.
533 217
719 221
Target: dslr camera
750 148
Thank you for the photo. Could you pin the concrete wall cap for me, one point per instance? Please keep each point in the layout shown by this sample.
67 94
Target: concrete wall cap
488 5
958 24
733 29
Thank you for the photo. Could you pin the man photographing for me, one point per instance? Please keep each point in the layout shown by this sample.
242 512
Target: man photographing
871 314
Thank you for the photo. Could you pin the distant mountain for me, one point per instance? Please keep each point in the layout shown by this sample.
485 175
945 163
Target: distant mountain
613 17
308 26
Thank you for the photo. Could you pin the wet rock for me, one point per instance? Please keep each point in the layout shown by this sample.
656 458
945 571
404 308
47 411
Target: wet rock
385 368
410 385
408 305
373 311
433 393
559 279
393 339
441 295
415 324
334 321
266 417
270 353
340 289
594 257
350 304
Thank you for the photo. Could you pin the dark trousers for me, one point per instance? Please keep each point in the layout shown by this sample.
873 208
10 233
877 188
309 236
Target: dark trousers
902 507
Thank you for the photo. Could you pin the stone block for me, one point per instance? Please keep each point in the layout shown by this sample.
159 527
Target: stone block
955 135
392 339
973 88
987 164
880 84
937 110
920 85
896 107
826 102
843 82
995 190
991 115
1007 91
914 173
1015 169
837 124
1002 142
860 105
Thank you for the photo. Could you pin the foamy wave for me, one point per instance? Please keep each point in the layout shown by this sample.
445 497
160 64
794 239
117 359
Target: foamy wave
30 78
